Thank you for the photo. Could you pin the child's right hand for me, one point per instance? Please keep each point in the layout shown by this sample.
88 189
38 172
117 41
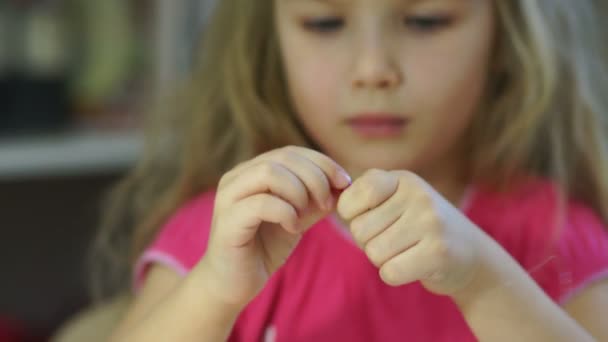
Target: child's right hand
262 208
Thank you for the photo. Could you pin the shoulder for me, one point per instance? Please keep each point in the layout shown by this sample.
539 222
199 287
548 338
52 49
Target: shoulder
513 204
190 222
534 208
182 240
561 242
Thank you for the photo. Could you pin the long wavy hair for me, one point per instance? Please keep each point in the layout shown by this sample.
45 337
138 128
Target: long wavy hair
544 115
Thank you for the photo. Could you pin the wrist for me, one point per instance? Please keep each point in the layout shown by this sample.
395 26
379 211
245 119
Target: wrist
496 269
203 280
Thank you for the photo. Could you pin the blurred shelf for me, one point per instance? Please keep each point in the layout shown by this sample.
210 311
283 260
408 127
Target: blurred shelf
67 154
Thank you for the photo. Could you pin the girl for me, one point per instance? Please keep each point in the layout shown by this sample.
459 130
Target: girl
377 170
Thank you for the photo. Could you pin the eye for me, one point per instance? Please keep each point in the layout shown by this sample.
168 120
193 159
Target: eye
324 25
427 24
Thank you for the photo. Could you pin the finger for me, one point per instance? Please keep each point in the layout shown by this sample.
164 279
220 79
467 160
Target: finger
407 267
367 192
368 225
267 177
396 239
314 179
250 212
229 176
240 167
310 175
337 176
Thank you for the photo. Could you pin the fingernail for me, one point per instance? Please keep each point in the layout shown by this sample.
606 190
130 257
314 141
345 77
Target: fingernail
344 178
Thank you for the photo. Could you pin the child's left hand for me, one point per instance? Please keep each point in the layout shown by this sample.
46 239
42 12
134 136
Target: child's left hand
410 232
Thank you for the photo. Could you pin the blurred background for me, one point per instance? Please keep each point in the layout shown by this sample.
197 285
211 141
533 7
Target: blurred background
75 76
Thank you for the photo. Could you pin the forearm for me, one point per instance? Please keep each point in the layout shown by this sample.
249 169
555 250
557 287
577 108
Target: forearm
505 304
187 314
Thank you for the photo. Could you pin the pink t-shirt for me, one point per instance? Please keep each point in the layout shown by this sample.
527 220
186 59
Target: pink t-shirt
329 291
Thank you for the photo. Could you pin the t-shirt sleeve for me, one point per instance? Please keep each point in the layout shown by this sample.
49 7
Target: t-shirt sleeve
181 242
572 257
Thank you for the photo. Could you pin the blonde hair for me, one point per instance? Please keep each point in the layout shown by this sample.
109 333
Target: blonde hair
547 116
544 115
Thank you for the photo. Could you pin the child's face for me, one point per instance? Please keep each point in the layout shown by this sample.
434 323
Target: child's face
411 71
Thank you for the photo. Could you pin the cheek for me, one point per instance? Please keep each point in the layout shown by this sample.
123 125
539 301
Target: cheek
447 86
313 83
451 79
455 86
312 69
313 86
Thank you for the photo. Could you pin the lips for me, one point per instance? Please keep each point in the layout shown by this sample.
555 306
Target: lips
378 125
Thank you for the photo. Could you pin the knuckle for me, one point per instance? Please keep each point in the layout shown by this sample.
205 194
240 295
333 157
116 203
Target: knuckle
404 177
412 177
390 274
287 154
222 200
436 276
373 173
368 190
268 169
373 251
288 151
422 199
432 223
440 251
356 227
240 165
404 174
222 182
225 178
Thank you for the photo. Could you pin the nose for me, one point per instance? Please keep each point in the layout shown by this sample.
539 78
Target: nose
375 66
